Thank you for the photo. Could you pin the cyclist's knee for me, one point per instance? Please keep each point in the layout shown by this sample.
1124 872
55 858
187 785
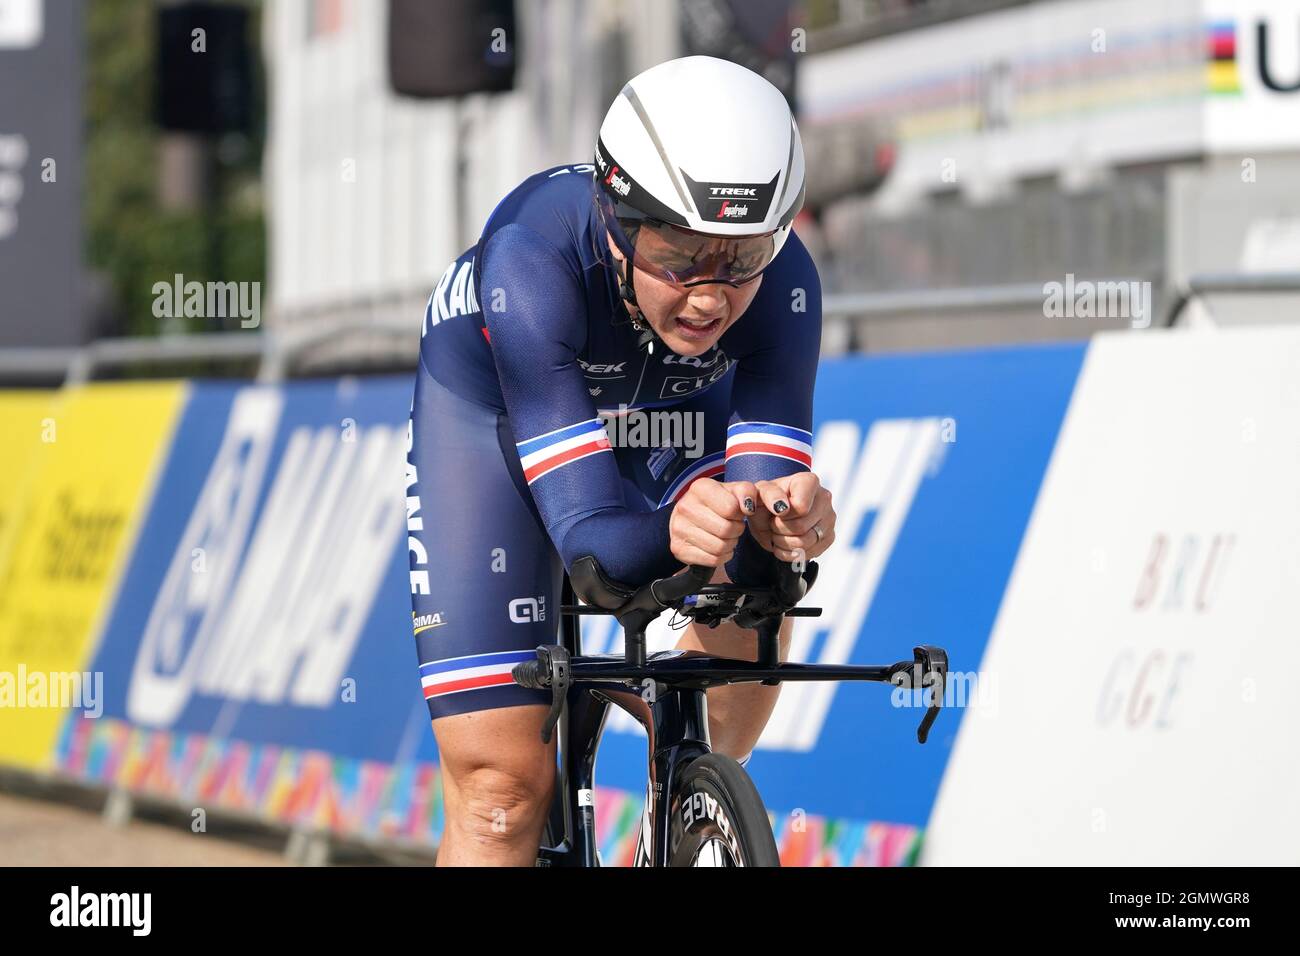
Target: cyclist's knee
499 803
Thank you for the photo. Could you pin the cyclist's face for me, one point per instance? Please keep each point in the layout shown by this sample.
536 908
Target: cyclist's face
690 319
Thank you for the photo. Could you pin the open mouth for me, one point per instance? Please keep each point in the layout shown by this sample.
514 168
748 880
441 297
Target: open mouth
697 328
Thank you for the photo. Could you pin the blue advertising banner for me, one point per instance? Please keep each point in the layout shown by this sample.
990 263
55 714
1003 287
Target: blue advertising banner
265 613
266 599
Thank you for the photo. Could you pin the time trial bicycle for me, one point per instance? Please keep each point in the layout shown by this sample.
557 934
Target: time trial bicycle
701 808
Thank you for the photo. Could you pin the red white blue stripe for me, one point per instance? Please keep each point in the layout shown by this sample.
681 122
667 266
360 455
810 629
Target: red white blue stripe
769 438
459 674
710 466
545 453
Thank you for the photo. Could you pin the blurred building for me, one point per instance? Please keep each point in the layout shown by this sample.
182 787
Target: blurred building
1101 139
961 155
372 194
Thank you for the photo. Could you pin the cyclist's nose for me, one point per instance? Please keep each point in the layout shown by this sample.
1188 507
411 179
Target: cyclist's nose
707 299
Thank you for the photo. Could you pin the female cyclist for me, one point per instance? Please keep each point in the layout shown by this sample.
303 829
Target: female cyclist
664 277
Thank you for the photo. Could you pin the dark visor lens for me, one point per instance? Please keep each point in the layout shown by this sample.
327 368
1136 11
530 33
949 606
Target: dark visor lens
682 256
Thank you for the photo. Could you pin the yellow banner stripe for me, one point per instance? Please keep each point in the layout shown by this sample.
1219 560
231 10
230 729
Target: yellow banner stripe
87 459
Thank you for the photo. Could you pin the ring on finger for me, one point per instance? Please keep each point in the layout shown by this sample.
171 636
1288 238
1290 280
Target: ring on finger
819 532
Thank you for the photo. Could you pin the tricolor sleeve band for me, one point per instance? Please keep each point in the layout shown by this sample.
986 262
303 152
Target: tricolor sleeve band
470 673
768 438
545 453
710 466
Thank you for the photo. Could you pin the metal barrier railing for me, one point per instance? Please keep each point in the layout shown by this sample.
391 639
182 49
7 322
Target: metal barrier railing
276 349
1229 282
932 300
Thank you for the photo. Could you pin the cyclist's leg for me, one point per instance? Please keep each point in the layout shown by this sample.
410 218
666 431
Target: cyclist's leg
737 712
493 769
484 582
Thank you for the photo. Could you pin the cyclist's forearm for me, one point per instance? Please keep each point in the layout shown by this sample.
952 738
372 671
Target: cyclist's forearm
631 547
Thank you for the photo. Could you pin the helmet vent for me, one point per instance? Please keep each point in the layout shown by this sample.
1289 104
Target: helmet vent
654 138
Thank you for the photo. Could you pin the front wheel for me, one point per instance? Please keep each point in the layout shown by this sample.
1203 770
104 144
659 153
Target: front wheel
718 818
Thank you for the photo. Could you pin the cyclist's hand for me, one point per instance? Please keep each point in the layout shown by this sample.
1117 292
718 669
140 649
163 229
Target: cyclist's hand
709 519
794 509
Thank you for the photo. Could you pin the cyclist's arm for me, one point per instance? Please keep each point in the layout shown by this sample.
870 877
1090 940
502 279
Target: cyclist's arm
769 432
535 310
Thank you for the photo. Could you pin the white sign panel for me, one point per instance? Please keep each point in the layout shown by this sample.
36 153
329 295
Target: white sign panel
21 24
1254 100
1146 651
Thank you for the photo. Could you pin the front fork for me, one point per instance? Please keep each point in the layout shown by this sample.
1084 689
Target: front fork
678 733
676 723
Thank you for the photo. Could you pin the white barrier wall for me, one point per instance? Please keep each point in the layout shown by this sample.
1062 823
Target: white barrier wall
1145 656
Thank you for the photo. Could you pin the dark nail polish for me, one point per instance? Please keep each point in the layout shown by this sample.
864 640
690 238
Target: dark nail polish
780 507
749 506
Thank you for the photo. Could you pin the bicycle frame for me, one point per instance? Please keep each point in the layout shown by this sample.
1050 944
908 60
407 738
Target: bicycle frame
671 706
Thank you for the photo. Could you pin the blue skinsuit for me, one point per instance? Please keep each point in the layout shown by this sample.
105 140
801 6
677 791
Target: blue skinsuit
526 351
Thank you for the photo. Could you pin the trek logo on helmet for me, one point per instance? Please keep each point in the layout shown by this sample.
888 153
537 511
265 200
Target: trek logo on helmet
718 200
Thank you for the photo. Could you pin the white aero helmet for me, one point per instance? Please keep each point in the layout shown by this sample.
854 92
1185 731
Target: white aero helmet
699 171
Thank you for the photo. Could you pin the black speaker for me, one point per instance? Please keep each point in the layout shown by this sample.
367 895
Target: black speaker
754 33
452 47
204 76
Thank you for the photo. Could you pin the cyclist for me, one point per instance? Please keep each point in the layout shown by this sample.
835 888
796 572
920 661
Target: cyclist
663 277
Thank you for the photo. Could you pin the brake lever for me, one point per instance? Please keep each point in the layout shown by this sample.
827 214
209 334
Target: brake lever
933 664
553 660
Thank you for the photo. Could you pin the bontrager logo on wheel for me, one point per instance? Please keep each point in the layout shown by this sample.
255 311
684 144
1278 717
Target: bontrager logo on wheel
528 610
702 806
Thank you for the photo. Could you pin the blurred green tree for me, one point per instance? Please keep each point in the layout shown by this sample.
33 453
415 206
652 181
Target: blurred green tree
131 239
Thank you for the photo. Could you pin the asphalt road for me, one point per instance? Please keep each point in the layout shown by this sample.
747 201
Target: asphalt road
35 832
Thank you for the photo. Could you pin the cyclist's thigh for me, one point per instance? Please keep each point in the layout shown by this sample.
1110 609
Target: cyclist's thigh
484 583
